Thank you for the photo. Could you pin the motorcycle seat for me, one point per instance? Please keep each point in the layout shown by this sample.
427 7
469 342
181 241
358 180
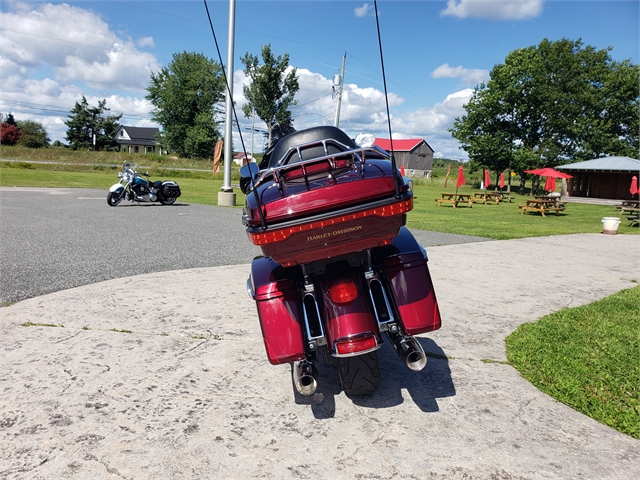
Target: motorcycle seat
157 184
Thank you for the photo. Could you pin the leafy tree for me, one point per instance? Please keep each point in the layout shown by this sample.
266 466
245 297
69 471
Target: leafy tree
8 119
32 134
184 95
282 129
271 91
549 104
9 134
86 121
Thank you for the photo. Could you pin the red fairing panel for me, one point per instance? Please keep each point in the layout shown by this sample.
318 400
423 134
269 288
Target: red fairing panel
279 312
413 291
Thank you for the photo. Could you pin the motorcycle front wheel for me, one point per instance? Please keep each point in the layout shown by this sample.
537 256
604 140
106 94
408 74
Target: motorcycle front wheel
114 198
168 201
359 375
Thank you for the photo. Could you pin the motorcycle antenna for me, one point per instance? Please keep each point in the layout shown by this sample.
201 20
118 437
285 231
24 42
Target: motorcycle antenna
386 99
235 115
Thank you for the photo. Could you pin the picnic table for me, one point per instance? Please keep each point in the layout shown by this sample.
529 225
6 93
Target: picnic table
484 197
542 206
635 215
628 206
454 199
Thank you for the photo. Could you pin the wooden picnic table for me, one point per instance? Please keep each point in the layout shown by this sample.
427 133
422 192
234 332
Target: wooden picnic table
484 197
454 199
628 206
542 206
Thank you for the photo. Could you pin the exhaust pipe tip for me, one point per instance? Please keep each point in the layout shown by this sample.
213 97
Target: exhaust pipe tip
304 377
410 351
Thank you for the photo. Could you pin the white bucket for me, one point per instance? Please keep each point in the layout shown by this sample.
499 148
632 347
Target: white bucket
610 225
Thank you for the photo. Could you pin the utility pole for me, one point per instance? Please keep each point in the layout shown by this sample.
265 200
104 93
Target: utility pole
337 121
226 197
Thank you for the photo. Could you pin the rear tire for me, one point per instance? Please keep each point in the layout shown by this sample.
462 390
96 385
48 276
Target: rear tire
359 375
114 198
168 201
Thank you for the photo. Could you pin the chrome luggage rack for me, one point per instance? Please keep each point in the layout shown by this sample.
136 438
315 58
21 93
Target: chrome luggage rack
355 156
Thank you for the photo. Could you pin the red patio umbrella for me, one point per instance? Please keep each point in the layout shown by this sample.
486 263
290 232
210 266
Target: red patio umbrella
487 179
634 185
502 180
460 180
551 174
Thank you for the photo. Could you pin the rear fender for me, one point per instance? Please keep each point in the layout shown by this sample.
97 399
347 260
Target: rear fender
353 319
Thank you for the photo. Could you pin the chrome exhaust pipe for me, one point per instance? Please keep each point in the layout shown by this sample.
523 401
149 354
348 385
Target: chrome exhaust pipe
410 351
304 377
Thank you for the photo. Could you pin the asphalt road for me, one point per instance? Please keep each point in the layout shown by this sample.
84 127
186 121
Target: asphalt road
55 239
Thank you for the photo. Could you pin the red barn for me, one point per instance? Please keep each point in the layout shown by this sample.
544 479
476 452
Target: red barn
413 153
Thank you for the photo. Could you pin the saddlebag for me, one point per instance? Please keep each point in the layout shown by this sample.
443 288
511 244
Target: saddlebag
279 311
410 283
171 190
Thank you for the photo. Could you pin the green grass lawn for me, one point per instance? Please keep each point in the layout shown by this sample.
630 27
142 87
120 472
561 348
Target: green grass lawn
587 358
499 222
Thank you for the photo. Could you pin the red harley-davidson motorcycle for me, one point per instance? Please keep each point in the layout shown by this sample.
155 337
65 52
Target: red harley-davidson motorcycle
339 267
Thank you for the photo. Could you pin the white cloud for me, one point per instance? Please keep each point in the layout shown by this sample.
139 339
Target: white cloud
363 111
146 42
468 76
76 43
494 9
364 10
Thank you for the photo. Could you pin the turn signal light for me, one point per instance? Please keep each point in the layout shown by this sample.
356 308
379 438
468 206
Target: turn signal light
265 238
356 344
343 292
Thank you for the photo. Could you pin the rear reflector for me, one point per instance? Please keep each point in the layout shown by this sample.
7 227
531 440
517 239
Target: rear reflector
397 208
343 292
356 344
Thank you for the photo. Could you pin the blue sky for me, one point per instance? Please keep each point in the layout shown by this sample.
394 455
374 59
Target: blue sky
435 52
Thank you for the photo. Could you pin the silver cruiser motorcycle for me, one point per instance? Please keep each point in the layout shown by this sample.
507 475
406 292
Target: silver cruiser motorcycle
133 186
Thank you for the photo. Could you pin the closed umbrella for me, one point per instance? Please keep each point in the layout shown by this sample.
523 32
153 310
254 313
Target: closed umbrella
502 180
487 179
550 184
460 180
634 185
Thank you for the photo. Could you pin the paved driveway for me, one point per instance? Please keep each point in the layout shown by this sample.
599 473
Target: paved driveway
189 393
53 239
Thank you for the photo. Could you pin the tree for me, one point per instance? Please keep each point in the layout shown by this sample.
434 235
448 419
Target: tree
32 134
9 134
8 119
86 121
282 129
550 104
184 95
271 91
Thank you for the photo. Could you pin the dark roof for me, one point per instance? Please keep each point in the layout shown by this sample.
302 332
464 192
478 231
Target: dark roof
142 133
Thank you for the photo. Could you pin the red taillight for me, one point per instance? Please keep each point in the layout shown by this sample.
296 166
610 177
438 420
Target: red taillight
343 292
397 208
356 344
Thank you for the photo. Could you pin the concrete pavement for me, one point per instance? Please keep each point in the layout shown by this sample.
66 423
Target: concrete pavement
189 392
